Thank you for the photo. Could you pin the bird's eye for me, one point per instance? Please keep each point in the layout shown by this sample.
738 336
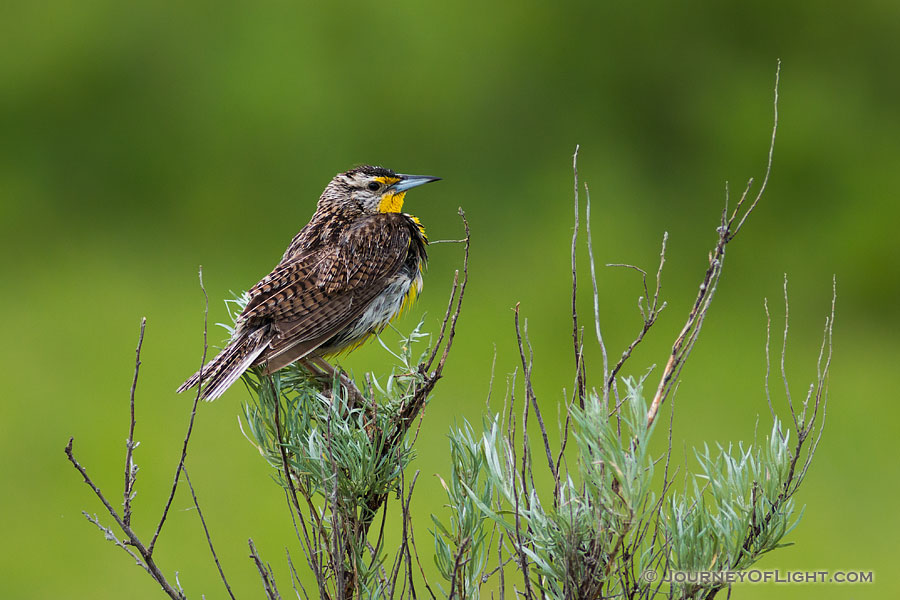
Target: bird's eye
373 186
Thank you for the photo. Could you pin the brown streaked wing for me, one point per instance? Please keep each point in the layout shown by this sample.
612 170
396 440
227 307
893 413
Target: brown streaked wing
289 278
310 297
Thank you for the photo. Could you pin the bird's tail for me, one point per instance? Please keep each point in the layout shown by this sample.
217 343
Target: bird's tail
238 356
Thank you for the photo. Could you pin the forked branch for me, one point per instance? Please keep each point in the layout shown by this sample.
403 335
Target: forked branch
727 230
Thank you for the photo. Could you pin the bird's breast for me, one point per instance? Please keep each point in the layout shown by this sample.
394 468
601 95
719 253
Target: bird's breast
396 297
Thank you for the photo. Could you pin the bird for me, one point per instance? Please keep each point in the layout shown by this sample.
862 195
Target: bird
350 271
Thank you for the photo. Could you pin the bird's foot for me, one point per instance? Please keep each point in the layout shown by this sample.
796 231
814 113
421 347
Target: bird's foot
326 375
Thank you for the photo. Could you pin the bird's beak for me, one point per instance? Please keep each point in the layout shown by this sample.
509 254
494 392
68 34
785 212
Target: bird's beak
408 182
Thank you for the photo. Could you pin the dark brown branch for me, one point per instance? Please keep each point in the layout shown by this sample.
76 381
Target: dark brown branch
295 577
340 529
458 564
130 469
449 312
311 554
519 545
265 573
403 556
526 447
206 532
530 396
124 522
412 539
187 437
411 407
649 311
133 540
500 566
443 328
462 292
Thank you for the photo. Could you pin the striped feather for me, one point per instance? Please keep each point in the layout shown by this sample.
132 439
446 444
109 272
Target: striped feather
223 370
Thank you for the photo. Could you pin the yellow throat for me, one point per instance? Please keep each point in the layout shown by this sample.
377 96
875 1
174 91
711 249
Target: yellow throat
391 203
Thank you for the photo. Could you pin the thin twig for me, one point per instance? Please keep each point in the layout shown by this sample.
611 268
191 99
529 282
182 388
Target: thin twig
530 396
311 555
149 563
500 566
295 577
459 300
412 539
762 188
649 313
443 329
458 564
579 391
450 313
111 536
130 469
265 573
758 525
403 553
190 429
590 246
727 231
769 362
413 405
206 532
784 378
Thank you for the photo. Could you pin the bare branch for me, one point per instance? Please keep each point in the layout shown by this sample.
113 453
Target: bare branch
133 539
130 468
443 328
784 378
412 539
768 361
649 310
295 577
579 374
450 313
458 564
765 181
803 428
265 573
311 554
411 407
403 555
187 436
459 300
727 231
206 532
530 396
111 536
590 245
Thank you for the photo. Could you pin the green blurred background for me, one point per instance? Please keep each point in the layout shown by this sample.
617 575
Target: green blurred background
142 139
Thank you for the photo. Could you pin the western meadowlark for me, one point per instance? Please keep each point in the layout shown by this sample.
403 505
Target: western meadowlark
353 268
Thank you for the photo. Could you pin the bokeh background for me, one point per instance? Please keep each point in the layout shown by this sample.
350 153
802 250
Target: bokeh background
142 139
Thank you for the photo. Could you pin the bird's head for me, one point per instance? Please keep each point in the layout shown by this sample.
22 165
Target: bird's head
371 189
